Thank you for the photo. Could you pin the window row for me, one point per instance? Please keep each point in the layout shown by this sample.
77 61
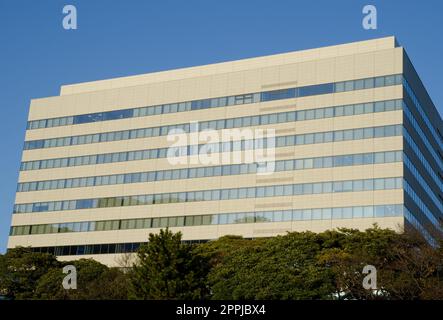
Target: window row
422 206
421 111
102 248
213 219
417 225
283 117
282 141
213 171
87 249
428 190
422 158
368 83
213 195
220 102
423 137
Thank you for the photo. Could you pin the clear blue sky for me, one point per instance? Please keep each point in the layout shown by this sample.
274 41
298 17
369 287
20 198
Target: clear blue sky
119 38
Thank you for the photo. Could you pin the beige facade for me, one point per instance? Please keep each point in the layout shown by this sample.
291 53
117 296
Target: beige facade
328 65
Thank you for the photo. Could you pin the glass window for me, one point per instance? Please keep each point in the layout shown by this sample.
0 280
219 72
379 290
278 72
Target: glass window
379 82
359 84
359 109
297 215
298 189
269 191
369 83
278 94
318 162
389 131
301 115
349 85
309 138
308 164
390 156
339 111
317 188
310 114
379 157
288 190
358 186
368 133
379 184
328 112
336 213
338 136
379 211
379 132
368 184
390 105
358 134
389 80
390 183
347 213
339 87
347 186
318 137
307 188
379 106
349 110
319 113
316 89
328 137
348 135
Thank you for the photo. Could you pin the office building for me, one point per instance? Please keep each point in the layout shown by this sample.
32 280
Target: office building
357 141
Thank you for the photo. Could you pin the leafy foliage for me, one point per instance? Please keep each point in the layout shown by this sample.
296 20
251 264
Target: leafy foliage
278 268
95 281
168 269
298 265
20 270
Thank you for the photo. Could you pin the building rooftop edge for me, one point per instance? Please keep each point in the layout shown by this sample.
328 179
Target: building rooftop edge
233 65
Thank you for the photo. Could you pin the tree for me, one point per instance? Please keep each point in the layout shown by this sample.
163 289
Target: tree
168 269
21 269
298 265
347 251
218 250
95 281
415 269
284 267
407 266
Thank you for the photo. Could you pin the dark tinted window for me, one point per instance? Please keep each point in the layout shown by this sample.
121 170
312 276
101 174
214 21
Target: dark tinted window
278 94
316 89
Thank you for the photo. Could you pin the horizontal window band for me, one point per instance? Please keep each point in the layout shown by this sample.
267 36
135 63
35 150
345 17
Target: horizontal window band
213 195
379 211
189 150
102 248
418 130
256 120
421 181
437 136
248 98
425 163
434 219
418 225
216 171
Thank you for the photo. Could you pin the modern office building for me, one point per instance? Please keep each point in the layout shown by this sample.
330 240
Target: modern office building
357 141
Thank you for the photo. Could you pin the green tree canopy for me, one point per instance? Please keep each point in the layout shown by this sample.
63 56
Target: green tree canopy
298 265
21 269
283 267
95 281
168 269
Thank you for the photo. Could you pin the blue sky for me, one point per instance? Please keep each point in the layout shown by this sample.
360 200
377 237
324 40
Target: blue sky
119 38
